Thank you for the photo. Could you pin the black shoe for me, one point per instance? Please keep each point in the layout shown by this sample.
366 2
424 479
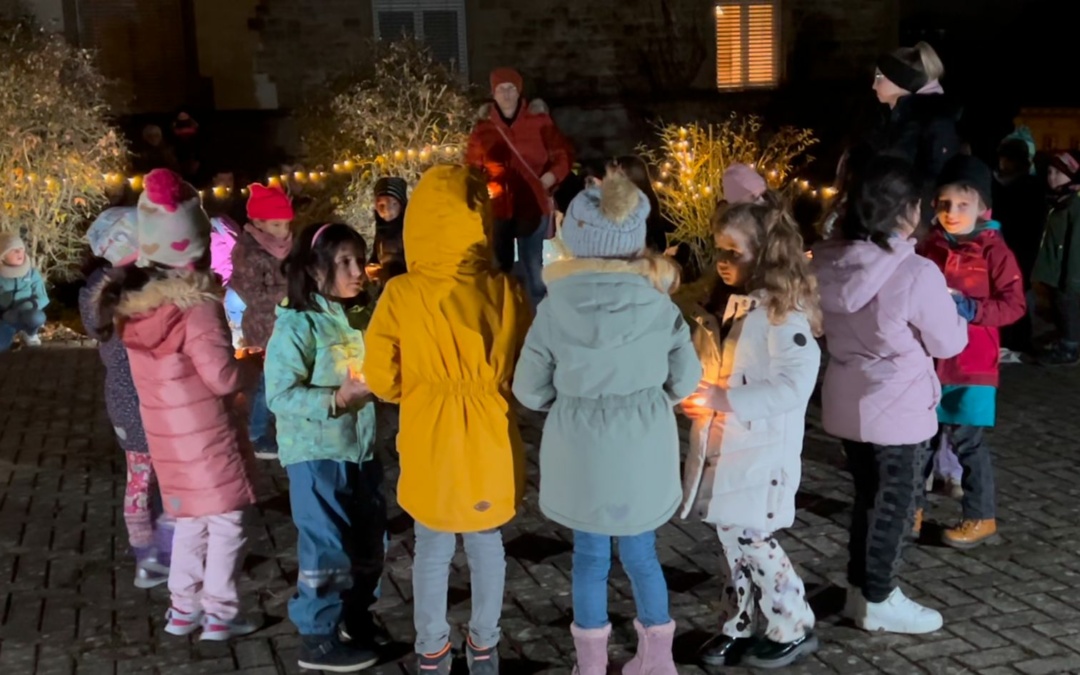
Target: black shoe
328 653
365 632
1061 355
722 650
768 654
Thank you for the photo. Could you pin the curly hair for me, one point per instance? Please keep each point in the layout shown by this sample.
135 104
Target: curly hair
781 268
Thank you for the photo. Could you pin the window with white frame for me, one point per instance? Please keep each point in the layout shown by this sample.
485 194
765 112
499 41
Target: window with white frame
747 44
440 24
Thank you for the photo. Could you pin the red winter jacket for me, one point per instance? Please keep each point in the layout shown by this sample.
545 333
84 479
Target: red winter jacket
515 188
985 270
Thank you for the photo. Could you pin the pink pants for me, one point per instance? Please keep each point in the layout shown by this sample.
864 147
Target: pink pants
205 561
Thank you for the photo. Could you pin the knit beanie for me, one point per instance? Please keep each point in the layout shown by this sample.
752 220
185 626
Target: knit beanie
173 230
392 186
114 235
969 172
743 185
269 203
507 76
900 73
607 221
1068 163
10 241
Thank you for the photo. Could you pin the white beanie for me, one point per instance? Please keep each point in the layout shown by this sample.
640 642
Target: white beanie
114 235
173 229
10 241
608 221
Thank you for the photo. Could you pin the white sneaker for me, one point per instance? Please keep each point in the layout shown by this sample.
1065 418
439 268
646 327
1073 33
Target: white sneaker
220 630
899 614
32 340
180 623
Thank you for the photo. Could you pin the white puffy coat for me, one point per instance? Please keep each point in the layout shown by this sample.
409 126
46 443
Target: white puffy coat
743 468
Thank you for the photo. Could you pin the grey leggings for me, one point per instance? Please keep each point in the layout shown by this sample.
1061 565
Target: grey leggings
431 572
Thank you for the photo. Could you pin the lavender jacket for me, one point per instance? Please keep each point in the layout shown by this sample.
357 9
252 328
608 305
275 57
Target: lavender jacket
121 399
888 315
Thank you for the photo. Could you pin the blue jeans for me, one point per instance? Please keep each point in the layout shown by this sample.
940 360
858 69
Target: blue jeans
339 509
261 427
592 562
27 321
529 266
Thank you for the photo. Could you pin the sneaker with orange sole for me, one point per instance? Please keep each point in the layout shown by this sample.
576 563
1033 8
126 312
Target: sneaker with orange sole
971 533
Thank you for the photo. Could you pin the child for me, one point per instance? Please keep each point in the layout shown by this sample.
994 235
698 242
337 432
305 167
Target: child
22 294
223 235
887 316
988 289
744 185
258 280
113 243
657 227
443 343
167 311
756 342
391 199
326 431
1057 267
610 355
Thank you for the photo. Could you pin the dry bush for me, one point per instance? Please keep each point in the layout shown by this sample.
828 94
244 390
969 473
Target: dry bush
56 144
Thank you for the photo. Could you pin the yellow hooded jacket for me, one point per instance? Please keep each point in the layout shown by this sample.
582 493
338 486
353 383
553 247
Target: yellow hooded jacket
443 342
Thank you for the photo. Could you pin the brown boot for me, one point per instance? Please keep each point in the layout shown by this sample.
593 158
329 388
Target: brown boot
971 533
916 528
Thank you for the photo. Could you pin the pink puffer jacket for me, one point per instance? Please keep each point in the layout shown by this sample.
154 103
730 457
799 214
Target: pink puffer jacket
184 368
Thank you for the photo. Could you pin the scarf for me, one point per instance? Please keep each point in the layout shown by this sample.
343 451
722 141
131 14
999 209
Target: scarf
15 272
279 248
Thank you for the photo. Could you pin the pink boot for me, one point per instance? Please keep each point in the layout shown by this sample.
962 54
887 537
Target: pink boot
653 652
591 648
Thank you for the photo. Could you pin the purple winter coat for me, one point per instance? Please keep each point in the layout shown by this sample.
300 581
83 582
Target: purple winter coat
121 399
888 315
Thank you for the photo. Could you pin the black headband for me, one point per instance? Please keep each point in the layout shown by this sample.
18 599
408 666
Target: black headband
901 74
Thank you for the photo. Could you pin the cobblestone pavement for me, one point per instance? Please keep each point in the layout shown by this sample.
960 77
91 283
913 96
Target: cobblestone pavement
69 605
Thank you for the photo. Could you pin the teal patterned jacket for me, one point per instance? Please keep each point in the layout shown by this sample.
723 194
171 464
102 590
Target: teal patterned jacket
308 357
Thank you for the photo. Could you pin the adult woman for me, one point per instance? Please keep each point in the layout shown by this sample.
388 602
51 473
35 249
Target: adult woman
525 156
920 125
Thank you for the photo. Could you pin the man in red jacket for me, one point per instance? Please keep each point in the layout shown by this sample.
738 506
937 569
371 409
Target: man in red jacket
525 158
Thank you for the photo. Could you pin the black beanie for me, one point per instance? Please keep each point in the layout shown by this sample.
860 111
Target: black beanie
901 74
392 186
970 172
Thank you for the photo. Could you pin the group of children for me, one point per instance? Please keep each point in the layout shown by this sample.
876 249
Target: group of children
426 322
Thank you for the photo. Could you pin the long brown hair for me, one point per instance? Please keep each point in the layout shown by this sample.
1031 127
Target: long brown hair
781 268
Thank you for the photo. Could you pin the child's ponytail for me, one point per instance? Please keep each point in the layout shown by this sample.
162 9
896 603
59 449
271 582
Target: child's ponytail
929 61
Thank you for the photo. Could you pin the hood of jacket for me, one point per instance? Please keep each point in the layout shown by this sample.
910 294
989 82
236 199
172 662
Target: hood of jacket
442 234
851 273
147 317
610 301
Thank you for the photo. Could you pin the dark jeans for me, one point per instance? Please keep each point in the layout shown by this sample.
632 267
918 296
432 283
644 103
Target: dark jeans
261 424
1068 310
972 451
339 509
889 483
530 253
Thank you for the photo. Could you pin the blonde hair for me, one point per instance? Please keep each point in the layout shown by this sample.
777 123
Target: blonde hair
930 62
781 268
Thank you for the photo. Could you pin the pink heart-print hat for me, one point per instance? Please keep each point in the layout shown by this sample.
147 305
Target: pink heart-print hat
173 229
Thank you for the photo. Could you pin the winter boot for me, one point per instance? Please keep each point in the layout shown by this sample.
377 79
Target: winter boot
654 651
439 663
591 647
482 661
220 630
898 614
771 655
971 533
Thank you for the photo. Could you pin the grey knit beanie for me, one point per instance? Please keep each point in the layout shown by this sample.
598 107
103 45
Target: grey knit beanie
608 221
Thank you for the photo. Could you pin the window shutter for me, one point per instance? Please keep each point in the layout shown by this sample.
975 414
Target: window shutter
439 24
441 35
747 44
393 25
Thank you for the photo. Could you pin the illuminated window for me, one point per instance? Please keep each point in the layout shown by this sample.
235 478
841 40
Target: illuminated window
440 24
747 44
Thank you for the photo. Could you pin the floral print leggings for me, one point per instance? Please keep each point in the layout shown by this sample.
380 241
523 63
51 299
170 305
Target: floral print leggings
138 506
761 580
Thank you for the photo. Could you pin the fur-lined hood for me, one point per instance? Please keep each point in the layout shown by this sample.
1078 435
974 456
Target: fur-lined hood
148 318
661 271
533 107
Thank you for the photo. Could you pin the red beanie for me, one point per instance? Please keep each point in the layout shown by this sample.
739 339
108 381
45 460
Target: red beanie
505 76
269 203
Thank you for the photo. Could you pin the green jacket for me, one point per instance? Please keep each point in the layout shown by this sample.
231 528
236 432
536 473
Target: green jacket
308 357
1055 266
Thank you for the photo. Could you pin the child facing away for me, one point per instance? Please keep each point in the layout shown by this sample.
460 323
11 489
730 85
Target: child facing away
22 294
755 339
113 243
326 432
167 312
443 343
258 280
609 355
985 281
1057 266
887 315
